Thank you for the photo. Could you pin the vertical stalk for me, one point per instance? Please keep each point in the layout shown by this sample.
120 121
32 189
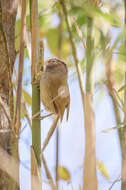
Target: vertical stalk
110 87
77 65
123 171
36 130
89 54
20 68
48 173
17 124
57 130
90 178
89 175
57 157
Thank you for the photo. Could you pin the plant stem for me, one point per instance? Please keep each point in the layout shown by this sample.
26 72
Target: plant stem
123 169
78 68
36 127
89 173
90 178
14 140
36 130
20 68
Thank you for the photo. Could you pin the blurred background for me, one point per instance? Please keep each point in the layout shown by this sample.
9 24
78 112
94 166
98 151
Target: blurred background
108 65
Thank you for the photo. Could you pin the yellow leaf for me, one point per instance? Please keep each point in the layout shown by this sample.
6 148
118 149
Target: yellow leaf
101 167
42 34
63 173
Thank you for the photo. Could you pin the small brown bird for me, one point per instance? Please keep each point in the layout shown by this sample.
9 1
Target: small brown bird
54 90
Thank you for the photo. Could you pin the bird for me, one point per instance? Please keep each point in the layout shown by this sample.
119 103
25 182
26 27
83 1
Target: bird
54 89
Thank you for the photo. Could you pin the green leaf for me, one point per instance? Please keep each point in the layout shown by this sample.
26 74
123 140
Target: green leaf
52 40
94 11
22 112
26 53
122 53
76 10
27 97
53 43
121 125
80 15
17 34
83 65
122 88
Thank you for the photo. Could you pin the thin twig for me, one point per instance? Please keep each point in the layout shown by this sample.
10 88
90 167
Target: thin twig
35 37
117 180
112 92
23 129
24 104
20 68
48 173
79 33
43 117
36 176
37 114
50 133
41 57
60 42
118 100
28 42
78 68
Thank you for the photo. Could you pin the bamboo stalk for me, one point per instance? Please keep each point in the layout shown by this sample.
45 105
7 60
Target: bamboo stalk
110 87
78 68
89 173
35 39
60 40
123 169
36 128
35 177
14 140
90 178
20 68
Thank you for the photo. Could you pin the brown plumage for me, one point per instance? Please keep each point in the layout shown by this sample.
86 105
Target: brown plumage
54 90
